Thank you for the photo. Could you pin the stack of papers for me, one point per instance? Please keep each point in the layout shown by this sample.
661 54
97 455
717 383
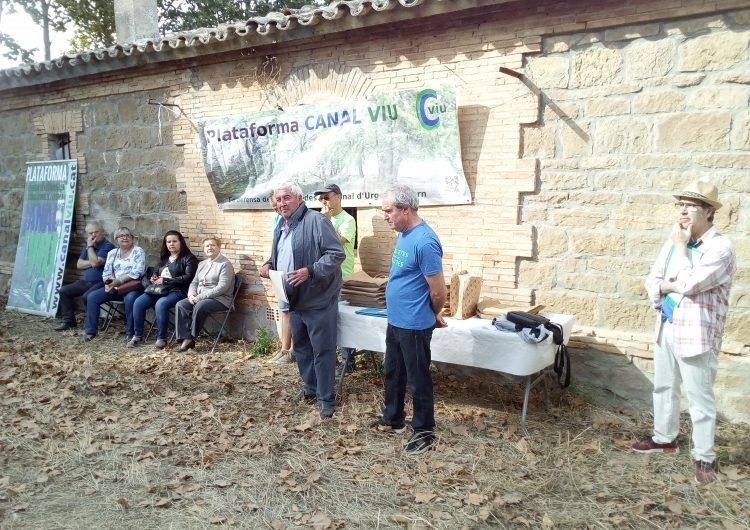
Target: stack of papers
363 290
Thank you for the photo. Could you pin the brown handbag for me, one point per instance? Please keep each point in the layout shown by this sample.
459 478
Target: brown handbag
130 285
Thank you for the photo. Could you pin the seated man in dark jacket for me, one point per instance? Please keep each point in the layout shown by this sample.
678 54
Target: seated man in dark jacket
308 250
91 262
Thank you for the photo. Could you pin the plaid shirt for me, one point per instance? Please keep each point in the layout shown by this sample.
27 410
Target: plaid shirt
704 278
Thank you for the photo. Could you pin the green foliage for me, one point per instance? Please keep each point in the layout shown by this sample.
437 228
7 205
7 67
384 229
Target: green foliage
184 15
94 21
264 344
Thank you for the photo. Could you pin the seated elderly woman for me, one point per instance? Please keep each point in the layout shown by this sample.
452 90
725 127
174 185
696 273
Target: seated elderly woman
177 266
122 274
210 291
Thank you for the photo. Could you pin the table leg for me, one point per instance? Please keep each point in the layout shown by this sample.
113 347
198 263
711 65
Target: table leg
527 391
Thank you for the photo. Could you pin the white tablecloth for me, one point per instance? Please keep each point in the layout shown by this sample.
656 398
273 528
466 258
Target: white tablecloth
470 342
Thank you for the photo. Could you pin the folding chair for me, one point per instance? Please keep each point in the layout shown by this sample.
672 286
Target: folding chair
111 309
171 331
225 312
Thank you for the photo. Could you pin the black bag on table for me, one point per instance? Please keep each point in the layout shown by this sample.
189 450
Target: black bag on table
562 358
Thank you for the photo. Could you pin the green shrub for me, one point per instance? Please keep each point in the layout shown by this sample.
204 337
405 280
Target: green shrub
264 343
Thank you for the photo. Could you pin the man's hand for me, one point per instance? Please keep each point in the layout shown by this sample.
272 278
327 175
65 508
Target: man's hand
264 270
91 240
440 321
681 236
325 210
297 277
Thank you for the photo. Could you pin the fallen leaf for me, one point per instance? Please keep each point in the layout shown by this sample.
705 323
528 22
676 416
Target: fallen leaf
122 501
424 496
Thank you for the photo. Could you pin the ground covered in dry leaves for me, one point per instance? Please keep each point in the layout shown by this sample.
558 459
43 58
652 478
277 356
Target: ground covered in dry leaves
96 435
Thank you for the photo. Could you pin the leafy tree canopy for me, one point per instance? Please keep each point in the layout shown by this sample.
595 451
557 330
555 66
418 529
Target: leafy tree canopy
94 20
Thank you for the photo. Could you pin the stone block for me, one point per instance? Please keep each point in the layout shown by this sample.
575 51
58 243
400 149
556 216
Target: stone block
720 97
575 139
578 218
536 275
551 242
614 180
596 67
716 51
622 135
663 101
563 43
660 161
598 244
631 32
596 283
741 17
740 136
737 327
625 315
733 160
573 265
607 107
693 26
649 59
549 72
646 245
596 197
739 297
561 110
538 142
563 180
582 305
631 287
693 132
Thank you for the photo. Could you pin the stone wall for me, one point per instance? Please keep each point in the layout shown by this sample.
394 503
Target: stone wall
570 166
641 110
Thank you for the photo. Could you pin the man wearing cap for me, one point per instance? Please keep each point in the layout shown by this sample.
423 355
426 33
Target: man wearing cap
689 287
343 223
346 229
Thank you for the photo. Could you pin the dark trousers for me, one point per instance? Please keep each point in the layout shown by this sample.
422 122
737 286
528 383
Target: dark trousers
71 291
407 360
190 318
314 336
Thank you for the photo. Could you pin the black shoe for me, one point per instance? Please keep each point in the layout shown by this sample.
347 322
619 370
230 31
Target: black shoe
65 326
381 425
326 412
186 345
420 442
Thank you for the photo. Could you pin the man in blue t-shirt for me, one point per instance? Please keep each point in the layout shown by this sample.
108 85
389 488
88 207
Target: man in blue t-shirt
91 262
415 296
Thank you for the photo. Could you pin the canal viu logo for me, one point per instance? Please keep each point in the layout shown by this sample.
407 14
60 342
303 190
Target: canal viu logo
429 108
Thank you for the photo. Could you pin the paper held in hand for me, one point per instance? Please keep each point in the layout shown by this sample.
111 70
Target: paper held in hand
277 282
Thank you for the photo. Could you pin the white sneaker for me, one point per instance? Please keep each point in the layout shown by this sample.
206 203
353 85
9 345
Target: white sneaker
286 358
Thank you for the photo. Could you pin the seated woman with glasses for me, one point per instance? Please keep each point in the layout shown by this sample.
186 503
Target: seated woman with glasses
177 266
209 292
122 274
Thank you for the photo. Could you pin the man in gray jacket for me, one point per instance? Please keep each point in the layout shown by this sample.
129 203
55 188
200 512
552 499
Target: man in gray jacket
307 248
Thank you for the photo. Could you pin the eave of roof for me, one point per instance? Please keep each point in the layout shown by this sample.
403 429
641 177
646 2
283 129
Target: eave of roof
274 28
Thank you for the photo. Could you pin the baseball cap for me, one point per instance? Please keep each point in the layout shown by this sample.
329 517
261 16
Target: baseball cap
329 188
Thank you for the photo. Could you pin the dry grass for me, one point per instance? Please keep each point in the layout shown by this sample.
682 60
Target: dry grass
99 436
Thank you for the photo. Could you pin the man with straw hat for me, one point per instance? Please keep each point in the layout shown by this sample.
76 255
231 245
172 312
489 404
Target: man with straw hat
689 286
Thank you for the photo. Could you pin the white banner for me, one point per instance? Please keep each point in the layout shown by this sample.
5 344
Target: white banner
364 145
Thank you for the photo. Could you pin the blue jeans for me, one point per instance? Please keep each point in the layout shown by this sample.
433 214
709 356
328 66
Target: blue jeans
407 360
314 338
94 302
162 306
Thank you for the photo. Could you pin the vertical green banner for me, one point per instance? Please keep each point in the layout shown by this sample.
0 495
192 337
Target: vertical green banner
43 237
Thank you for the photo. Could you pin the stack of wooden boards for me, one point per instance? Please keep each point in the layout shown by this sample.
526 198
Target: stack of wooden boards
363 290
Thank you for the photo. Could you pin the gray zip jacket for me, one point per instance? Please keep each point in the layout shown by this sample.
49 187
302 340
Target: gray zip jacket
315 245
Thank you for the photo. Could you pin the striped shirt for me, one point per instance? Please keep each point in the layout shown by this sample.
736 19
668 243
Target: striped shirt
704 278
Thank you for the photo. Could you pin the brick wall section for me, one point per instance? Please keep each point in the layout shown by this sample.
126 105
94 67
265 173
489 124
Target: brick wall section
626 102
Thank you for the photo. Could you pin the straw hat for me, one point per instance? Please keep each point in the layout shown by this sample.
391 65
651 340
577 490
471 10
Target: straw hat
701 191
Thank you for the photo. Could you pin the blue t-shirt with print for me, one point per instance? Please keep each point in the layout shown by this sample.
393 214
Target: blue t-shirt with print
94 274
417 254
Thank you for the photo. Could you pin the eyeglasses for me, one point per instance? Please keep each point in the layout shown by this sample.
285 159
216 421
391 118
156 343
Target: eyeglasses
689 206
124 236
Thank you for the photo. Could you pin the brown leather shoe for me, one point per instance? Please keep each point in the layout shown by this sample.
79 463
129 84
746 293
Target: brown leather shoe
705 472
186 345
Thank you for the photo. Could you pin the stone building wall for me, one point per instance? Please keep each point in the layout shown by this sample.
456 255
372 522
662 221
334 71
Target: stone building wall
570 167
